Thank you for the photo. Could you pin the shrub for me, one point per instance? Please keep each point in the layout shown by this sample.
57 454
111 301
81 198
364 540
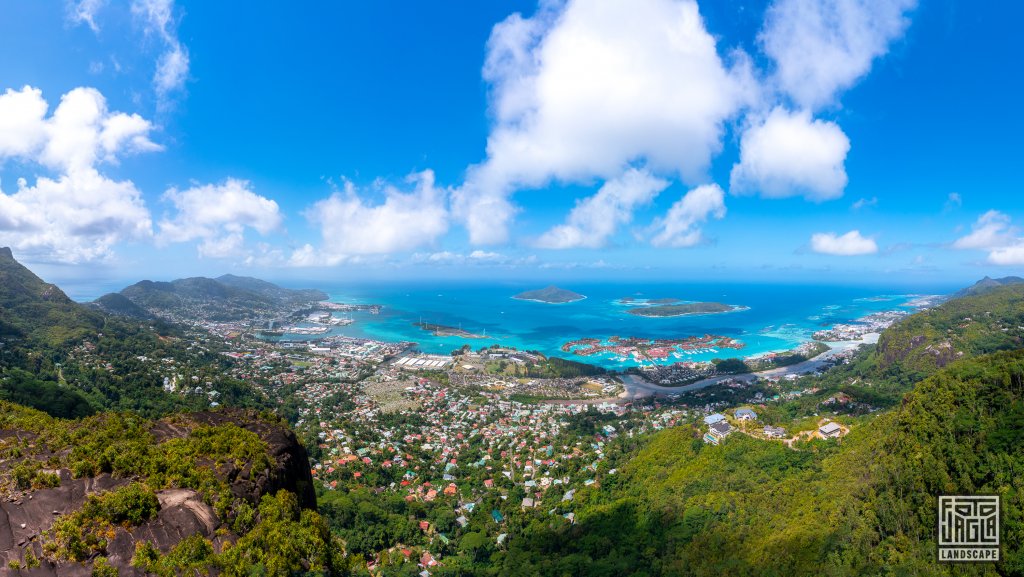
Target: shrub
87 532
102 568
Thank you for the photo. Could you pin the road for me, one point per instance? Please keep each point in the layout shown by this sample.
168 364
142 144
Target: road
637 387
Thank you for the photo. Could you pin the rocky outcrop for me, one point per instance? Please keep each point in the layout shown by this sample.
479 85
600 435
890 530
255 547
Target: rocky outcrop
26 516
290 463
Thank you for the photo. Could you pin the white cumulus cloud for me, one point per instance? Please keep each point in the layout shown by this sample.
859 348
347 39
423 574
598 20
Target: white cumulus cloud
595 219
74 218
1011 255
992 230
849 244
351 226
789 154
22 122
821 47
583 90
994 233
77 214
681 226
218 214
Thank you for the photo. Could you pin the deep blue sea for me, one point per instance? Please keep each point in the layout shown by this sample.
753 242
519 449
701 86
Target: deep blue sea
777 317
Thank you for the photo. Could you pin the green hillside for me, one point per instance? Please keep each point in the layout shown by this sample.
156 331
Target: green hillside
990 321
937 407
39 312
244 481
72 360
227 298
865 506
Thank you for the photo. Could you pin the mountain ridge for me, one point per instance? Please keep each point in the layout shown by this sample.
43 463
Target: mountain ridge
987 284
226 298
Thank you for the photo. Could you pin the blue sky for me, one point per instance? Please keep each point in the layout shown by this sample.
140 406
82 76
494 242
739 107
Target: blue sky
867 140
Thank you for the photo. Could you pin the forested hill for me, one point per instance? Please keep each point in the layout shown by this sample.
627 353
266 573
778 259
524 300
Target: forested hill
987 284
115 494
227 298
271 290
865 505
989 321
38 312
70 359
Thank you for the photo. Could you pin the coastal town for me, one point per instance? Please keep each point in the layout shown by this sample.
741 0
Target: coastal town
545 288
420 456
469 440
475 441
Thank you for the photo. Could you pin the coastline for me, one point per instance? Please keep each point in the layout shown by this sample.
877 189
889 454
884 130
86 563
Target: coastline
638 388
772 321
446 331
736 309
549 302
642 388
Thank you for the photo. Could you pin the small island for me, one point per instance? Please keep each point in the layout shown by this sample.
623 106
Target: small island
550 295
446 331
683 309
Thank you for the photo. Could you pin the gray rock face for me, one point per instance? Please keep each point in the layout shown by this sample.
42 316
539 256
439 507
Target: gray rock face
182 512
290 462
23 520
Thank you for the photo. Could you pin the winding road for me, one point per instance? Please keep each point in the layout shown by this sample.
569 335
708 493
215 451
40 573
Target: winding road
637 387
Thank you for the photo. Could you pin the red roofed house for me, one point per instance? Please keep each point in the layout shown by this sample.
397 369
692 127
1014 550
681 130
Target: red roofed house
427 560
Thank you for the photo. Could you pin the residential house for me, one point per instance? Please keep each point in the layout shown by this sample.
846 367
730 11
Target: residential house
830 430
717 432
715 418
745 415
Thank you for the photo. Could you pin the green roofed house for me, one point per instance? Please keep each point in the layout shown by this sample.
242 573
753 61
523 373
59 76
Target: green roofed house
497 516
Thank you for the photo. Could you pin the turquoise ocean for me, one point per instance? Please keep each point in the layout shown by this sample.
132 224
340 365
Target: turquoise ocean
776 318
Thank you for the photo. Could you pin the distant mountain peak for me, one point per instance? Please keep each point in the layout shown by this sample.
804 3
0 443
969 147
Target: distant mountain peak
18 282
225 298
987 284
30 306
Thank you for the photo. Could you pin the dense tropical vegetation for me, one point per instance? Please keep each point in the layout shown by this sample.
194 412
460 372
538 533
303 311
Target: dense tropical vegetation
72 360
937 407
